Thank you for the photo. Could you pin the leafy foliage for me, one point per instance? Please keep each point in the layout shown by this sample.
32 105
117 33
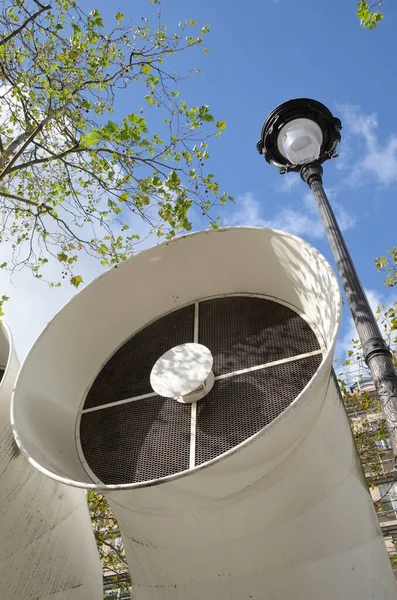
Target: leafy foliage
364 410
3 299
388 265
367 434
108 539
369 14
75 178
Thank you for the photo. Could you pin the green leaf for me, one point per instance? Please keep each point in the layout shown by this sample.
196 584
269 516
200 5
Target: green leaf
110 128
76 280
369 18
146 69
91 138
3 299
221 125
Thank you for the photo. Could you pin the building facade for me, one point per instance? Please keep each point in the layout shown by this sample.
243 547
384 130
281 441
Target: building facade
374 446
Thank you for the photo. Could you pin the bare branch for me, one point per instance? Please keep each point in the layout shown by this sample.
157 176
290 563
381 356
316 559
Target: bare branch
31 18
30 137
46 159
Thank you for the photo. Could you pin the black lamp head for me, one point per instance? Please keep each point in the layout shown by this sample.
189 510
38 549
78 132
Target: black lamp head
323 129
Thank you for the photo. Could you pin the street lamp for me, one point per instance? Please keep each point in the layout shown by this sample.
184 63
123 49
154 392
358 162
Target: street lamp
299 135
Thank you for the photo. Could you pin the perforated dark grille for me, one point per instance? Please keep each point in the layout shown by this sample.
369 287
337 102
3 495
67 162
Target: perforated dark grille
127 374
138 441
150 438
240 406
253 331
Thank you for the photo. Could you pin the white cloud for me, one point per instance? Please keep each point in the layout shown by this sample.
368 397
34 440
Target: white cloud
288 182
248 212
304 222
379 160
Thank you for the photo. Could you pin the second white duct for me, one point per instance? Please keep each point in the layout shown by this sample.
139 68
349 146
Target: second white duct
47 546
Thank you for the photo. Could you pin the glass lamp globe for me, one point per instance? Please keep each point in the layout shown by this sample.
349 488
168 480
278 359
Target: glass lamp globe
300 140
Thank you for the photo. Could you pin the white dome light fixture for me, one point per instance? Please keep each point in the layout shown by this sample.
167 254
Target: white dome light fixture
297 132
300 141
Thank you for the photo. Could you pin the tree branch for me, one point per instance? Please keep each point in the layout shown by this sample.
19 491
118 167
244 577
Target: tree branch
46 159
19 199
32 17
48 210
119 555
12 146
31 136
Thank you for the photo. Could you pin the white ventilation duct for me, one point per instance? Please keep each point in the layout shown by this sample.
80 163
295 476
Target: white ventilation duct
47 548
254 491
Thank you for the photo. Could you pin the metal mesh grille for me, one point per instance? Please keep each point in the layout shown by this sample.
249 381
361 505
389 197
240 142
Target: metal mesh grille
240 406
138 441
127 373
150 438
242 332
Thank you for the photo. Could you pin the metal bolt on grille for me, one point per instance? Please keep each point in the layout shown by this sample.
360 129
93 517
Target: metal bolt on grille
129 434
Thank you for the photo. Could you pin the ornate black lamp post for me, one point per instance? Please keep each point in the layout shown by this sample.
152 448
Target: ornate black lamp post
300 135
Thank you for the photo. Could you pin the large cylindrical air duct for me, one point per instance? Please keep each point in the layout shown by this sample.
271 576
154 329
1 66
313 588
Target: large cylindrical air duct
47 547
193 384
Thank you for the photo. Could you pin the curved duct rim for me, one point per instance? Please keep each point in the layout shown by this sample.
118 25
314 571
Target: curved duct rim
317 381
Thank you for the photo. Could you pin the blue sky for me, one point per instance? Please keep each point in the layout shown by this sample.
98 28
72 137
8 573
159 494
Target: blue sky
263 52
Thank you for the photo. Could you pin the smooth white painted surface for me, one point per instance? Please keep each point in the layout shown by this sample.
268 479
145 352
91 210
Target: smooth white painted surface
47 548
287 518
181 370
285 515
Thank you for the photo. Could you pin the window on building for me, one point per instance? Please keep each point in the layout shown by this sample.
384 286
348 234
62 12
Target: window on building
388 495
118 594
383 444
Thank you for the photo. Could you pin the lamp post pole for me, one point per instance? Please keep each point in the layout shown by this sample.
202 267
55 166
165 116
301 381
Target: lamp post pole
375 350
299 135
